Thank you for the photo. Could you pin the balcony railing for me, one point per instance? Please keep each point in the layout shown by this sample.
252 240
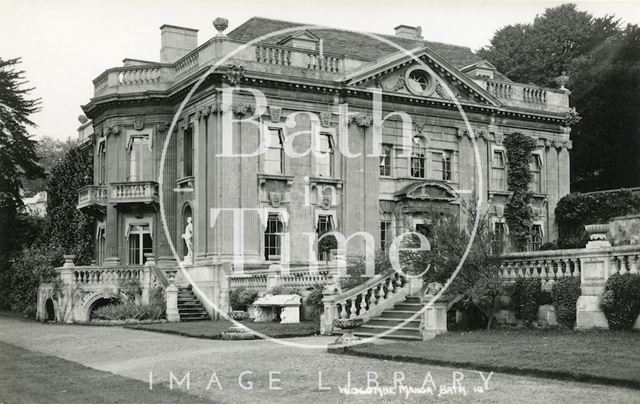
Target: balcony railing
92 197
134 192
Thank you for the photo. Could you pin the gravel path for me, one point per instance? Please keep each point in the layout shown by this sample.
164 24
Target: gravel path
213 364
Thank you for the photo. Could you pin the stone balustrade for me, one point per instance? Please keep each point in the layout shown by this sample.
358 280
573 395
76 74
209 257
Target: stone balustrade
134 79
132 192
273 55
260 57
548 266
364 301
92 196
104 275
526 96
296 278
554 264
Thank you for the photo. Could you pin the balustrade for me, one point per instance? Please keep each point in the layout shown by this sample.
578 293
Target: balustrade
92 195
516 92
362 300
105 275
552 265
134 192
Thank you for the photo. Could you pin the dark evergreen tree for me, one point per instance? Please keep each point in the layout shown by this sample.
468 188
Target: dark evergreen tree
18 158
603 63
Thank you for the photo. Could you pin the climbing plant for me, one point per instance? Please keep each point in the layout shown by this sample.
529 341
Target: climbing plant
517 211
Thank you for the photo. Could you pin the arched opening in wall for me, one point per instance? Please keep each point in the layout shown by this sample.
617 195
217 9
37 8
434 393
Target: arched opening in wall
102 302
187 226
49 311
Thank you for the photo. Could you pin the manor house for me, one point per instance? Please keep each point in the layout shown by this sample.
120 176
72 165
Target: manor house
166 191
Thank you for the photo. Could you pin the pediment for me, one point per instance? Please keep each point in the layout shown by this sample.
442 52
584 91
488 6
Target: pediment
422 75
299 38
427 191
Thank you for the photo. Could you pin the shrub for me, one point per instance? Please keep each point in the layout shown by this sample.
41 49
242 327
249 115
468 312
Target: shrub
527 297
548 246
565 294
621 301
242 298
130 311
314 301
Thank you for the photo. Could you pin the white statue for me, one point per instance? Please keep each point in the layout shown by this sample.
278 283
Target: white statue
188 239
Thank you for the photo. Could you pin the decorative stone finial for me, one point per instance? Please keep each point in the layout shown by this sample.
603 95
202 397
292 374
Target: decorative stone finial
83 119
562 80
220 24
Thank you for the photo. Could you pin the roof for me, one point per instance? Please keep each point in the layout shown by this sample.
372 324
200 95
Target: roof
355 44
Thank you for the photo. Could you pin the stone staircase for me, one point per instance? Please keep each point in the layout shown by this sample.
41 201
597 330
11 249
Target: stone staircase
189 306
392 317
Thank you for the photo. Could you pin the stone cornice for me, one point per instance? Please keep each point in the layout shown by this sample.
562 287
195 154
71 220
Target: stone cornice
331 88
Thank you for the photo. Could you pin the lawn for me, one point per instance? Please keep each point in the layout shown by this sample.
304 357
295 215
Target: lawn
596 356
213 329
31 377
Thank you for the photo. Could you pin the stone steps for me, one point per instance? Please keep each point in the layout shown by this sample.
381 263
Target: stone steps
393 317
189 306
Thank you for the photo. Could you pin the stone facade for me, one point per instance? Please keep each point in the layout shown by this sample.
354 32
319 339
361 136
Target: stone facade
319 81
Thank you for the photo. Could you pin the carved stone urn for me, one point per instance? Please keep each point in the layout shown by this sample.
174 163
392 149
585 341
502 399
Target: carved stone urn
220 24
597 235
347 325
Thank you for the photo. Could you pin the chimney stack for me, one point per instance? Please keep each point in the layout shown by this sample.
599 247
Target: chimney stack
407 31
176 42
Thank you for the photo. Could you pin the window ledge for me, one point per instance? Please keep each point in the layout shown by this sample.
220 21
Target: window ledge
500 192
186 182
539 195
264 177
326 180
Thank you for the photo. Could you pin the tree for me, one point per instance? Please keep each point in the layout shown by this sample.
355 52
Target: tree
49 151
539 52
65 231
603 62
479 283
18 159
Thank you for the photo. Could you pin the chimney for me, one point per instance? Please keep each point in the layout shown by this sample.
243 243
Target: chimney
176 42
407 31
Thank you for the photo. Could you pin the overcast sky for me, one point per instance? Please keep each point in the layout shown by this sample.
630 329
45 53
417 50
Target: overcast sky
65 44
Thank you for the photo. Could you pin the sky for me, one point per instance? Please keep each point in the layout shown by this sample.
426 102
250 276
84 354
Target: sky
65 44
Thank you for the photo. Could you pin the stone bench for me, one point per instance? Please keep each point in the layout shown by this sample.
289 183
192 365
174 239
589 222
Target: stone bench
271 307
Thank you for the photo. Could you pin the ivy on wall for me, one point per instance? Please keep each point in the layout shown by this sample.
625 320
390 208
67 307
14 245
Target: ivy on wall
517 211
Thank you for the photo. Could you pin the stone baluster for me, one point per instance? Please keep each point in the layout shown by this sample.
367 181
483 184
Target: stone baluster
353 310
373 299
363 303
381 294
633 264
343 312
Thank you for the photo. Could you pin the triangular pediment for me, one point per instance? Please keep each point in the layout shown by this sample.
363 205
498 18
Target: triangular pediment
421 73
303 35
